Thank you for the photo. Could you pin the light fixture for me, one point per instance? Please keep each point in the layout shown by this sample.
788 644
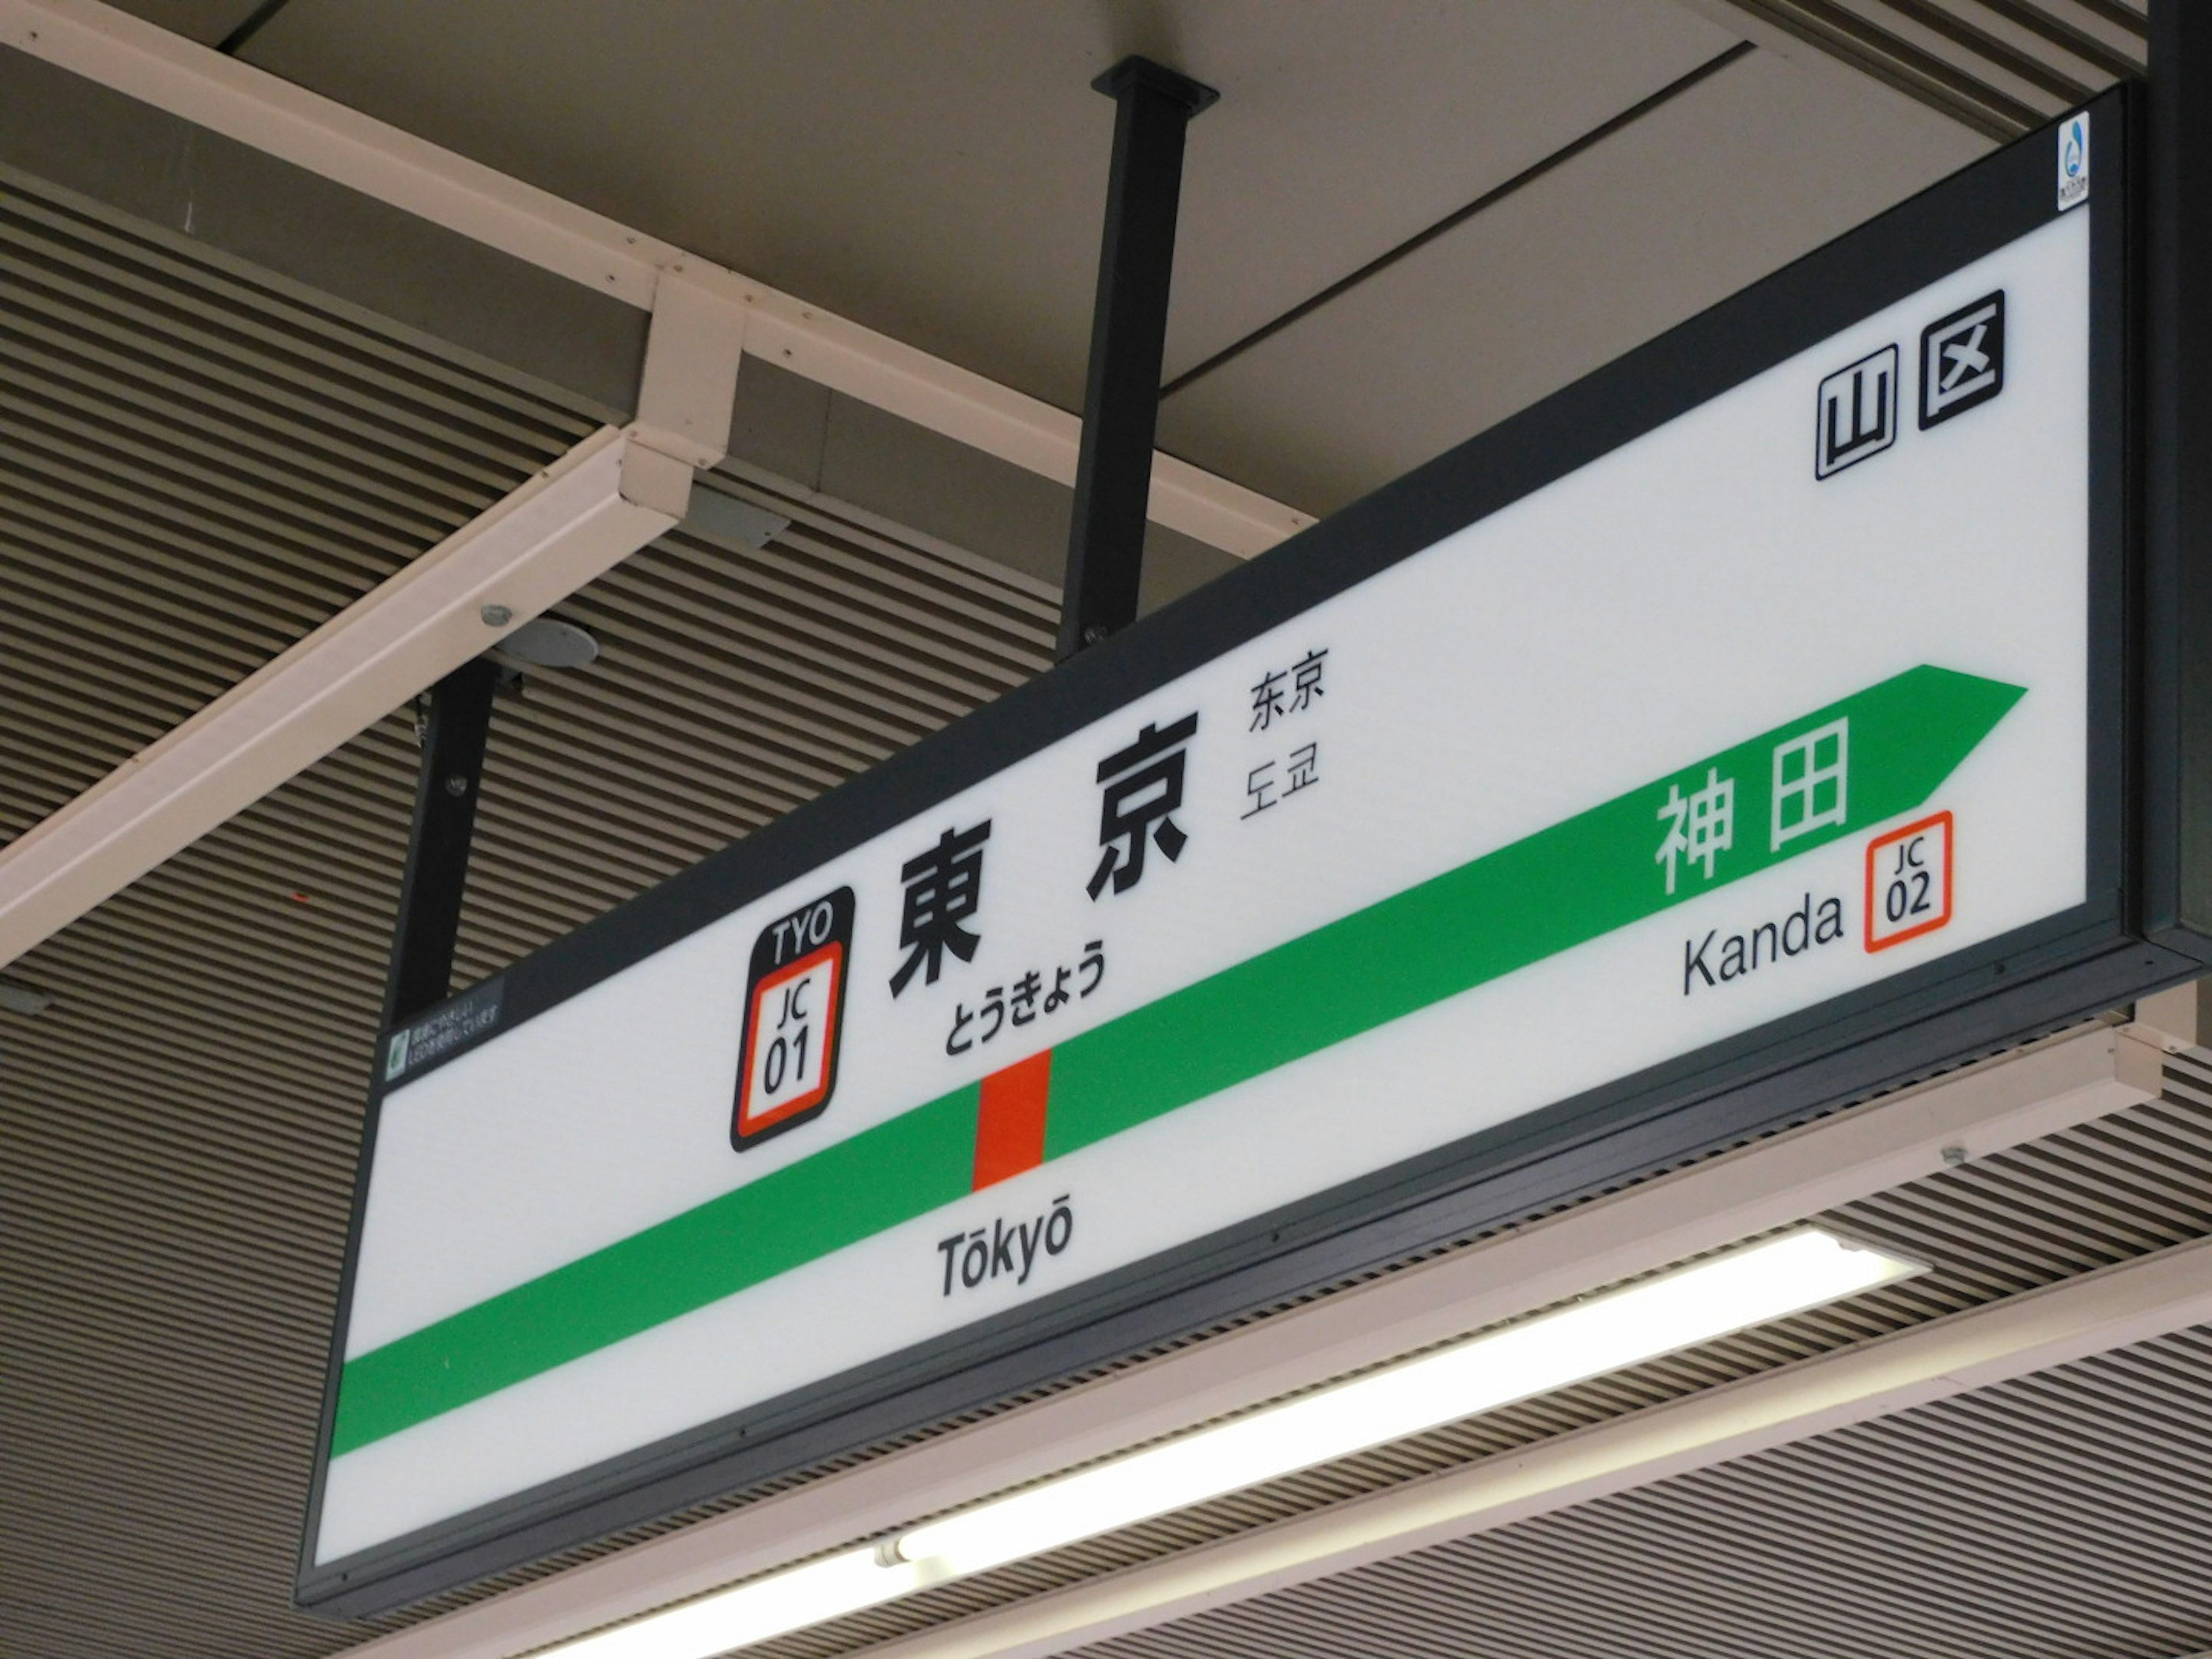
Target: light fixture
1729 1291
747 1613
547 642
1749 1286
18 998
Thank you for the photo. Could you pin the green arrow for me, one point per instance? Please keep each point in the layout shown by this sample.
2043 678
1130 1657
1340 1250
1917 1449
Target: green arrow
1564 886
1561 887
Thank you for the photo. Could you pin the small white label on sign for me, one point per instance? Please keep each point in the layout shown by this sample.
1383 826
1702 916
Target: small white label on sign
790 1033
2074 163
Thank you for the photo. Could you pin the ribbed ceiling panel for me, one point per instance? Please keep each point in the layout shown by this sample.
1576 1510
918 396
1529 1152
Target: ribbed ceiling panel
2000 66
2063 1516
196 470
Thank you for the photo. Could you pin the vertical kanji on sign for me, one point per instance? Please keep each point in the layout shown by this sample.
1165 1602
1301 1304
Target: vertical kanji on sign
1701 825
944 886
1143 788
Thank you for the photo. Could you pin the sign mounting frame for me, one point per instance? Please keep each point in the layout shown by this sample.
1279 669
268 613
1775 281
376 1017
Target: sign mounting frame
2084 959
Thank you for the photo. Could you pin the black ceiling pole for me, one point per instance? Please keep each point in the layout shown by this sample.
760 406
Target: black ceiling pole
428 925
1128 333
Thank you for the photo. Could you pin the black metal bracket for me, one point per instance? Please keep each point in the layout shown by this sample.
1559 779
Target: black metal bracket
428 925
1128 336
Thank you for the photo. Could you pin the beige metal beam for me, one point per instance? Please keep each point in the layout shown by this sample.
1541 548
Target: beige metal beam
171 73
2040 1091
382 650
610 496
596 505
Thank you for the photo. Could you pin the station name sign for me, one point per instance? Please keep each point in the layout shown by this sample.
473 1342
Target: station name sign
1733 731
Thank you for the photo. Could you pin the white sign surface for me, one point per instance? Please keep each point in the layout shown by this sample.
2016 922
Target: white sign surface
1782 698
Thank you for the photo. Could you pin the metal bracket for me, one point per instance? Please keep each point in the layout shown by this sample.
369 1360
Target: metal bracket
1129 337
428 925
689 383
685 404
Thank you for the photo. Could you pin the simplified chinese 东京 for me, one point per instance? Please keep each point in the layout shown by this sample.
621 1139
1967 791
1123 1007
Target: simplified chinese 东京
1285 692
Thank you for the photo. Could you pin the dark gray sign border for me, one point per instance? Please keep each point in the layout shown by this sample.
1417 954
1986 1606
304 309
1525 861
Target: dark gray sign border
1975 1001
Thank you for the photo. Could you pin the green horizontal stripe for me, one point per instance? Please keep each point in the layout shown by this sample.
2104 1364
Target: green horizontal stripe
1564 886
847 1192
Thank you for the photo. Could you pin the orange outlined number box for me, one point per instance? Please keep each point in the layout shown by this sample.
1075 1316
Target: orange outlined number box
795 1015
1908 882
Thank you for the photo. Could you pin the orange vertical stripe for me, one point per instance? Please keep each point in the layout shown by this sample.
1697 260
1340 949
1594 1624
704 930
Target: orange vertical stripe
1010 1126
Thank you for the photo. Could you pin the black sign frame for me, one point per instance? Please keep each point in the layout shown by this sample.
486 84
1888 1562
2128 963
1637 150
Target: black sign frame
1974 1001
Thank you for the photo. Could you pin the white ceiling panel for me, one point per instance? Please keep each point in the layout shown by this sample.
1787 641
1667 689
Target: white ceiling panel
207 22
938 171
1744 171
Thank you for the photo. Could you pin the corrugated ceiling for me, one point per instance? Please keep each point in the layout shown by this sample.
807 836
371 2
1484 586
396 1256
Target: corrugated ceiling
2063 1515
196 465
199 468
1999 66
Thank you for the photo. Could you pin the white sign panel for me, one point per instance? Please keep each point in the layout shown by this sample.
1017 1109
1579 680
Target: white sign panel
1785 697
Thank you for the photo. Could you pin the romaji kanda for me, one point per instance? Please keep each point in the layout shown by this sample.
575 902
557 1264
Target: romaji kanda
1811 790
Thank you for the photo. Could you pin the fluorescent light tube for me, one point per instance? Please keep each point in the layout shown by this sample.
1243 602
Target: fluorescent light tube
750 1613
1749 1286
